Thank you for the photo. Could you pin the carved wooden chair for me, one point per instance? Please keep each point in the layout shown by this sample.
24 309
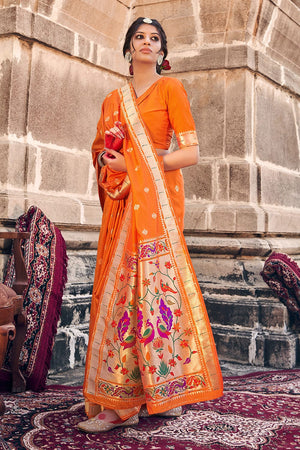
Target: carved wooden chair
12 315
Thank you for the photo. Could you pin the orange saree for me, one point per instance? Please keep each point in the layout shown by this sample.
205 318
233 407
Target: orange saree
150 338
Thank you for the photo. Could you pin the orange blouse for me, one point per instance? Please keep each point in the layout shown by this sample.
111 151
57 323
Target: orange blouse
164 107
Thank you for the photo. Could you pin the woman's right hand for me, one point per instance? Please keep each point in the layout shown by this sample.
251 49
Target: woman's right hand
114 160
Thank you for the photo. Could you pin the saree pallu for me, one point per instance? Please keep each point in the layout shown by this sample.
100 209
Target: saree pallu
150 337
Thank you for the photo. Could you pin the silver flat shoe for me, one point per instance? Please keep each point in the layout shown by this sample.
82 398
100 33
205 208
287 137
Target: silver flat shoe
174 412
99 426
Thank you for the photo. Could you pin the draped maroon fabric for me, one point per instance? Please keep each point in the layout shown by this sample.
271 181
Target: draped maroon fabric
46 263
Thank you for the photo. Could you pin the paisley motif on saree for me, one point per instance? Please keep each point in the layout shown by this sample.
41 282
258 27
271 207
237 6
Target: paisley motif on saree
150 337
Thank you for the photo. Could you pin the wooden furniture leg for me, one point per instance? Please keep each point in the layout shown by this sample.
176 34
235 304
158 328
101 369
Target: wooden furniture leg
7 332
18 321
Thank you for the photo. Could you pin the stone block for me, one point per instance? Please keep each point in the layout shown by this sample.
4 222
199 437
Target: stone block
65 99
83 238
22 3
213 15
92 213
284 40
236 113
198 181
211 245
180 10
81 266
13 165
6 56
16 20
264 19
291 81
214 22
20 80
268 67
280 351
69 349
12 204
239 347
58 209
52 34
238 16
279 187
207 102
243 185
282 220
244 313
273 316
210 39
196 216
250 218
274 113
77 290
101 22
226 272
254 246
14 67
84 48
285 244
205 59
222 218
76 312
253 267
234 36
222 184
237 56
64 171
184 31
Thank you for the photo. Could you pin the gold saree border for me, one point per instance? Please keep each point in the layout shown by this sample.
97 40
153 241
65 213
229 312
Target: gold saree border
106 306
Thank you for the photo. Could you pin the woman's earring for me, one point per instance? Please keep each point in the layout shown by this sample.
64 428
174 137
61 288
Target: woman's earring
128 57
160 59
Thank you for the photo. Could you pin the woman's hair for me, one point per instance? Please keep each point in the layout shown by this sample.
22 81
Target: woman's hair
135 26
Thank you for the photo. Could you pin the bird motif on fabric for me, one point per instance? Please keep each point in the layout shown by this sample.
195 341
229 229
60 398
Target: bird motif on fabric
130 340
162 330
122 328
164 326
122 300
149 333
166 288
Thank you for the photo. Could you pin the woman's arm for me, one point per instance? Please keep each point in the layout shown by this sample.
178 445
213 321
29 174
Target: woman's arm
184 157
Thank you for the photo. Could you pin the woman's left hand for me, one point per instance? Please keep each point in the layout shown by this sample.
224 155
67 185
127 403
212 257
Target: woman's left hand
114 160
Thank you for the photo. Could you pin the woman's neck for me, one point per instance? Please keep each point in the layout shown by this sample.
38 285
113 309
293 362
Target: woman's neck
143 78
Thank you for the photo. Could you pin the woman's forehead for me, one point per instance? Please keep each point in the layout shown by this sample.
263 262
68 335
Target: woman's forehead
147 28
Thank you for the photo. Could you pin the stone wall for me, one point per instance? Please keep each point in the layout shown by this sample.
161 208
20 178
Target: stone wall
239 62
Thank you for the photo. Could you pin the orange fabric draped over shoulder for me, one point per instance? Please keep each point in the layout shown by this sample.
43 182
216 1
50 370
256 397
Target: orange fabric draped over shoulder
150 337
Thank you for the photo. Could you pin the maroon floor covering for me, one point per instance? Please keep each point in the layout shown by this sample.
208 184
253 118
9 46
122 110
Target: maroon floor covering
259 411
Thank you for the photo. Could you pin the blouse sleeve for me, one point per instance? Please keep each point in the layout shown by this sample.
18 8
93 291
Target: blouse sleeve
180 115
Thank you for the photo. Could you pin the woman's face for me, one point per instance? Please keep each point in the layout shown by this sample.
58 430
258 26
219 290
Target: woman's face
146 44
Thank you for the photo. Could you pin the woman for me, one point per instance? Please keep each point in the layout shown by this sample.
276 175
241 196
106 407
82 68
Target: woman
150 339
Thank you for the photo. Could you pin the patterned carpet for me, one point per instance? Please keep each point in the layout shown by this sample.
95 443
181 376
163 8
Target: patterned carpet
259 412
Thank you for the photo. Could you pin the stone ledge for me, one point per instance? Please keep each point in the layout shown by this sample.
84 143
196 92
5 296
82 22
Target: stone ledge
255 347
239 246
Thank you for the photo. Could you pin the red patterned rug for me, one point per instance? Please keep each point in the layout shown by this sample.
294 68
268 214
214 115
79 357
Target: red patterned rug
258 411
